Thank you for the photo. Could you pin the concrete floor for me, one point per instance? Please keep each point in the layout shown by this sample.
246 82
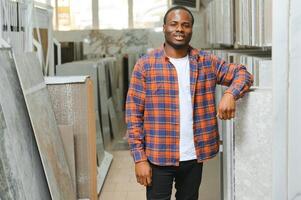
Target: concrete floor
120 183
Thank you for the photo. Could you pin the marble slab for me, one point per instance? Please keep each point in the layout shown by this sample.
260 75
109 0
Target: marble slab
112 42
253 139
44 125
21 170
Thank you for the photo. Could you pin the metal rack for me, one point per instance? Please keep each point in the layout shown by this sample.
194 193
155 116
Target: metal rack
18 20
240 32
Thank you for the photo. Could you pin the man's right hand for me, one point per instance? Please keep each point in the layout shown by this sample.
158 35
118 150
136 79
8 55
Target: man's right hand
143 173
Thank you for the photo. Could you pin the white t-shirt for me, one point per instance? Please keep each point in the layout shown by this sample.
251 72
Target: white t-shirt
187 149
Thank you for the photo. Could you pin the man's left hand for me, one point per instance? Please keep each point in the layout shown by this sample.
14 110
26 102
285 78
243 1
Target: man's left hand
226 107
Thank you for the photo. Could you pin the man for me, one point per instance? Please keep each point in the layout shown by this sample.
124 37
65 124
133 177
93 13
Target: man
171 112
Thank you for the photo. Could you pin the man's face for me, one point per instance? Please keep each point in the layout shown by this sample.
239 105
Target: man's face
178 29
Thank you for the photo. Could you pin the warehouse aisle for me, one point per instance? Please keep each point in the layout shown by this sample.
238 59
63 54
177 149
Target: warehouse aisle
121 184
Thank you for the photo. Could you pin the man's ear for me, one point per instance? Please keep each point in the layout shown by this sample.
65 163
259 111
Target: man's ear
164 27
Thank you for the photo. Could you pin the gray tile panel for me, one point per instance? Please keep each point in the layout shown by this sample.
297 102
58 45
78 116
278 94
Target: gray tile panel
21 170
80 68
44 125
91 68
72 103
253 146
103 74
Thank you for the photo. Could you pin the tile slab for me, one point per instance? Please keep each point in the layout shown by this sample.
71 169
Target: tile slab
44 125
253 146
21 170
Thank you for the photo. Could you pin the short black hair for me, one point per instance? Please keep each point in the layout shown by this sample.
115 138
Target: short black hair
178 8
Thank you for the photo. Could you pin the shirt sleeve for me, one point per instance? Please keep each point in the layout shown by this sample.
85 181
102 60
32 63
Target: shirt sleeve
235 76
134 113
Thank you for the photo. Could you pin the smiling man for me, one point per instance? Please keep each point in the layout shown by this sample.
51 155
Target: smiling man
171 112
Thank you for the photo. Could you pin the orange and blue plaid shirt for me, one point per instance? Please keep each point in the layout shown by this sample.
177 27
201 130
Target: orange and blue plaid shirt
152 106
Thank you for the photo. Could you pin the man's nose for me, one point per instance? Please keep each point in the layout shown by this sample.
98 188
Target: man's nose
179 28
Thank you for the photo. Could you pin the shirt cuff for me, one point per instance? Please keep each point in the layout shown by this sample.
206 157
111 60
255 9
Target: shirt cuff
139 155
234 92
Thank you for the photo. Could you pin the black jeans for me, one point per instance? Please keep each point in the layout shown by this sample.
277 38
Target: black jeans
187 177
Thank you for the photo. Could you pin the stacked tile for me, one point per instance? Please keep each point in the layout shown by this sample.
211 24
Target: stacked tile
73 104
114 77
21 170
110 87
104 93
115 96
107 75
121 82
244 176
89 68
257 63
44 125
253 19
220 22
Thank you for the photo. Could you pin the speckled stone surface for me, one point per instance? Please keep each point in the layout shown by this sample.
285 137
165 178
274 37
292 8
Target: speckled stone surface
92 68
253 146
21 171
72 103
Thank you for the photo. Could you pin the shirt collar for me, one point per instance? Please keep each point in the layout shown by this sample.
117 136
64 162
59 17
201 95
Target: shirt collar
192 52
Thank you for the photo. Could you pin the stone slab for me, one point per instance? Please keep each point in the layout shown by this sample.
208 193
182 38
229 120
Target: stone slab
103 74
73 106
115 123
67 135
103 170
21 170
45 127
90 68
81 68
253 146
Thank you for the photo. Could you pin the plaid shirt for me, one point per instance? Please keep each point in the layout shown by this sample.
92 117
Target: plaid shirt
152 106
